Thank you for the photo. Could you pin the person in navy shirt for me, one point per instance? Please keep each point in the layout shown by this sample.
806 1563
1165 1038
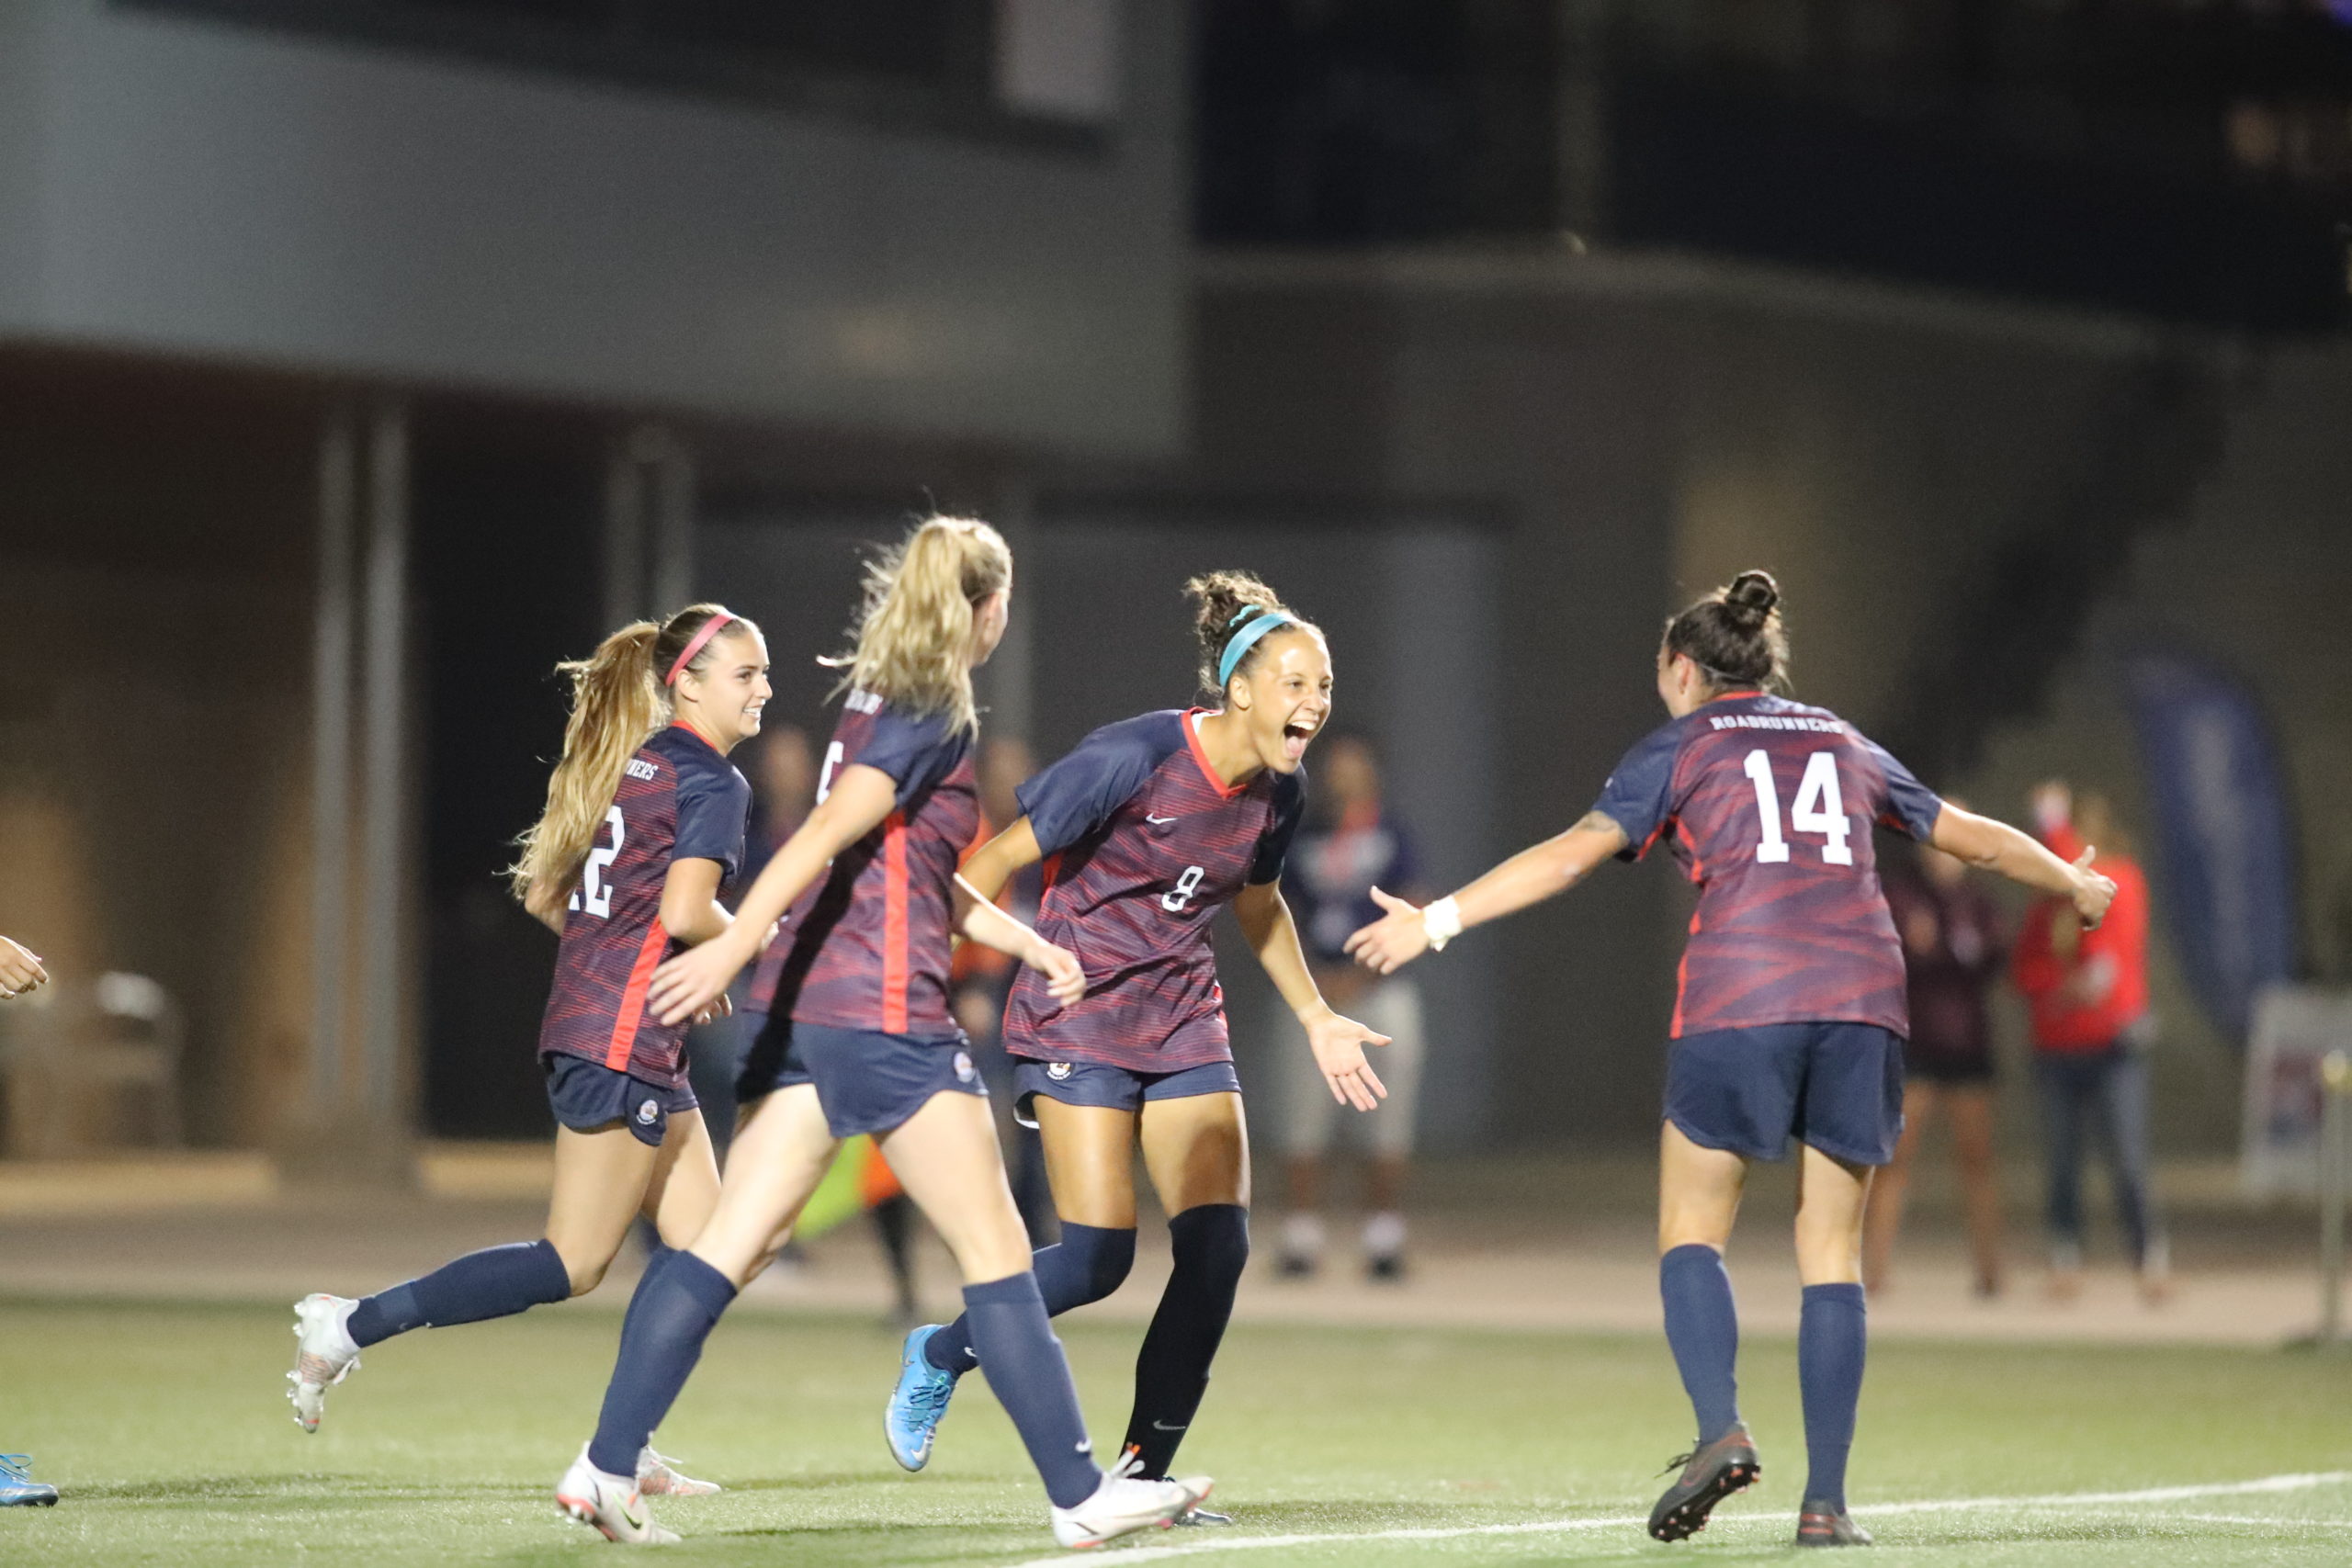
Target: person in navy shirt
1789 1014
858 1039
1360 845
643 828
1146 830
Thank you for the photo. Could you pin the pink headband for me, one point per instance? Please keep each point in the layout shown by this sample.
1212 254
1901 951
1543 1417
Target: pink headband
709 629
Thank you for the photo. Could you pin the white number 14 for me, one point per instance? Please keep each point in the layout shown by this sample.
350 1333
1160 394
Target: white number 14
1819 809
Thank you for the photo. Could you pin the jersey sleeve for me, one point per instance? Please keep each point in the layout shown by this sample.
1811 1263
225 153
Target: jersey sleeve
713 806
1281 826
917 753
1077 794
1910 807
1639 795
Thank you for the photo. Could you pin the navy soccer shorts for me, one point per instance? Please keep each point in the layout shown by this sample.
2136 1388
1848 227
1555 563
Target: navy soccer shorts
1837 1087
867 1081
588 1095
1113 1088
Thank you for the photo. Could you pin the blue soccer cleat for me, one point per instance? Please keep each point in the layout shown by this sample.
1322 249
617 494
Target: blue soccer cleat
912 1421
18 1487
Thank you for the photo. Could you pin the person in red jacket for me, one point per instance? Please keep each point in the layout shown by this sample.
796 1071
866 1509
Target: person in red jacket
2087 993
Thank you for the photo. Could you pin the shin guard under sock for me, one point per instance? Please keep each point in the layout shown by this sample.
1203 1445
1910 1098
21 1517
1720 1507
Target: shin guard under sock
674 1309
1702 1328
1087 1264
1832 1337
1030 1377
1211 1246
497 1281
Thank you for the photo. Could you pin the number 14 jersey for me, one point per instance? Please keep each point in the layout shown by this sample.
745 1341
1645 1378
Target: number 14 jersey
1767 805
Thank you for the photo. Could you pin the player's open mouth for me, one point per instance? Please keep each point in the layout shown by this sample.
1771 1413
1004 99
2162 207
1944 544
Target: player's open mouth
1296 735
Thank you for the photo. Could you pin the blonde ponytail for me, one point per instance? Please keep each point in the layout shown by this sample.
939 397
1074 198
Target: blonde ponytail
618 698
914 634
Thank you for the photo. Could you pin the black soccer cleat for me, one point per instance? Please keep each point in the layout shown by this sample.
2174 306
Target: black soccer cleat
1710 1473
1821 1524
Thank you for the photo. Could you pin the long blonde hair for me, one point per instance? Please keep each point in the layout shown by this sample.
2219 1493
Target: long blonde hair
914 633
620 696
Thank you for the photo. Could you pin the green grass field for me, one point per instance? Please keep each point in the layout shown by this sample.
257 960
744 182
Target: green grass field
165 1427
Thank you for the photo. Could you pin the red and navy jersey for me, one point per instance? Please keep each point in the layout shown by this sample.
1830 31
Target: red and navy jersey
678 799
1143 846
868 947
1769 805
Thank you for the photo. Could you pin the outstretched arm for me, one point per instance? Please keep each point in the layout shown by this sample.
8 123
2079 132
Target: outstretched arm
979 917
1338 1042
1529 877
860 799
1996 846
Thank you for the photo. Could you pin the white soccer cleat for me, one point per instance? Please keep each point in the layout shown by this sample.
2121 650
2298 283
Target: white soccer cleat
1125 1503
657 1477
610 1503
323 1355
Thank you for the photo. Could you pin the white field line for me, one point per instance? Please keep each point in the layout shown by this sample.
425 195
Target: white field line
2268 1483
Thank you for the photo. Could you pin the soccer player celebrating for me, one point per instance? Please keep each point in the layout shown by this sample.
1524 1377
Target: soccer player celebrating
644 824
1147 829
859 1039
1791 1015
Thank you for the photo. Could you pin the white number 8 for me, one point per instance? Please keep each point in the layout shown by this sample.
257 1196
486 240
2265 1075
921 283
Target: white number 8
595 894
1176 898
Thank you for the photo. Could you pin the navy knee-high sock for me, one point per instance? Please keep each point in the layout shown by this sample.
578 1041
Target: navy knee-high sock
1086 1265
497 1281
1702 1326
1211 1246
1030 1377
1832 1335
674 1309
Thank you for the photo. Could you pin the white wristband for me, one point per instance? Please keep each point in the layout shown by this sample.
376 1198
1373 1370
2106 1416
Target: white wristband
1443 920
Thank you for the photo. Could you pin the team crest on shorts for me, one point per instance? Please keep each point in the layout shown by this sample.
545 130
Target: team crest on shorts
964 1066
649 1113
1058 1071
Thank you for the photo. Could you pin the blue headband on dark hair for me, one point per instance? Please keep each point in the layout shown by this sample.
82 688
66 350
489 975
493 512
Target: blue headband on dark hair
1246 638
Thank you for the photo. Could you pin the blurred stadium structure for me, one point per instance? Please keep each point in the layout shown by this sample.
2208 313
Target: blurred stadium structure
360 359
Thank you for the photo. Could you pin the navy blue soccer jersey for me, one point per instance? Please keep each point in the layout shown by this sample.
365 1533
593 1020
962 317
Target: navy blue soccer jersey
1769 806
869 946
1143 846
678 799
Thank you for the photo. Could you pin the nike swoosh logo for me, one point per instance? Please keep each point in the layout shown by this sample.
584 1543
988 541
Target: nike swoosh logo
1164 1426
634 1521
1158 821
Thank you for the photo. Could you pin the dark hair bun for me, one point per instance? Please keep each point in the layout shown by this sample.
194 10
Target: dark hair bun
1751 599
1219 600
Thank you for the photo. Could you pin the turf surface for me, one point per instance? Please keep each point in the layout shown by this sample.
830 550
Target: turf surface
165 1427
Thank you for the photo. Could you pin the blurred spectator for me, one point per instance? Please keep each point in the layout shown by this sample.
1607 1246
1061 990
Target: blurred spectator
1354 845
983 979
2088 995
1952 952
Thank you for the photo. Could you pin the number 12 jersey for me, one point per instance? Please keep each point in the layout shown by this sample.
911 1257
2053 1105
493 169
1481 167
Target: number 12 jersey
1767 805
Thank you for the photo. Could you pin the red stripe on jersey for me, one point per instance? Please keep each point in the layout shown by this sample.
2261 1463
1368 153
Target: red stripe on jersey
1193 743
632 1011
895 966
1682 969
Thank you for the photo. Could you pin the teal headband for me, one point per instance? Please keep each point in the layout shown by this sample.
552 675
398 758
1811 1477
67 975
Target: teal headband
1247 637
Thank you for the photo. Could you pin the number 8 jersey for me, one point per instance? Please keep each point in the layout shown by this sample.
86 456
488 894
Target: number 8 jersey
1767 804
1143 845
678 799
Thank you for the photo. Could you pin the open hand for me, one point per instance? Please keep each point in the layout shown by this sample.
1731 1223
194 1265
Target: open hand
1391 941
1337 1044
